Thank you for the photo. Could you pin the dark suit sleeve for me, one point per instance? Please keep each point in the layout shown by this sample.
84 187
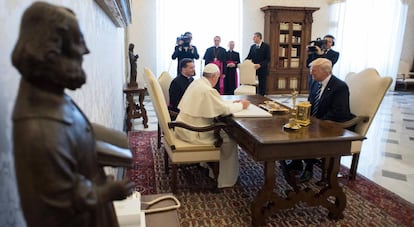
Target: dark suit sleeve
333 56
175 54
250 55
206 56
223 59
175 95
311 58
339 105
266 54
196 56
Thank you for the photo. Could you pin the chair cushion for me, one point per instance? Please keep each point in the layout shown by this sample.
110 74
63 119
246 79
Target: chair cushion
245 90
184 152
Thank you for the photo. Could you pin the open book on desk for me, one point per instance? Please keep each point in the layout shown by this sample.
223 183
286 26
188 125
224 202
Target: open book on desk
251 111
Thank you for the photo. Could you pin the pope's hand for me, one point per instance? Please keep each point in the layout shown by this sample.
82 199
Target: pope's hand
245 103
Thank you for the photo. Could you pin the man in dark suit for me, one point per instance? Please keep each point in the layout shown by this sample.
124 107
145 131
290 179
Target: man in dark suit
231 81
325 52
260 55
329 97
180 83
217 55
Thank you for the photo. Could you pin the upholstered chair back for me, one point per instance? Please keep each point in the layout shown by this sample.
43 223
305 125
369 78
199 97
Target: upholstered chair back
165 81
158 102
367 90
248 81
247 73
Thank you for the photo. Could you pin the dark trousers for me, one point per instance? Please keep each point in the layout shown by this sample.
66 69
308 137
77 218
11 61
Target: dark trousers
262 85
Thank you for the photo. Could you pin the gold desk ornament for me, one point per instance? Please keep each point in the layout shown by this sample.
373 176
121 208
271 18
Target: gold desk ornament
303 113
294 96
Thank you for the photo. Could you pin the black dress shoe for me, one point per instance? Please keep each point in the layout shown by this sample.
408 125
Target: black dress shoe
305 176
295 167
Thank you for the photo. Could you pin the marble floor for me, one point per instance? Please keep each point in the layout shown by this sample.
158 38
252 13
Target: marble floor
387 156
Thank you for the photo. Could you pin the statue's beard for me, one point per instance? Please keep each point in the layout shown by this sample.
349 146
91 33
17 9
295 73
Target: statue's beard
61 71
72 74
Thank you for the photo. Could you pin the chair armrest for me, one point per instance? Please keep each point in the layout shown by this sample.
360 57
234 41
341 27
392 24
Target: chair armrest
173 114
110 155
112 147
212 127
354 121
109 135
217 126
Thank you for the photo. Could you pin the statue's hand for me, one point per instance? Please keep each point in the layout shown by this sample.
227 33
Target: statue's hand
117 190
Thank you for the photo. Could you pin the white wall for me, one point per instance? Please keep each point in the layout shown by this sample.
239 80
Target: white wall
407 53
101 98
142 33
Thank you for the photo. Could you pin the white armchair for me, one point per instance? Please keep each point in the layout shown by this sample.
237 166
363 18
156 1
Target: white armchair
248 80
179 151
367 90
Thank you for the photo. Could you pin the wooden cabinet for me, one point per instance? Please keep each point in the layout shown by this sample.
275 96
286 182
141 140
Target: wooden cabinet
288 32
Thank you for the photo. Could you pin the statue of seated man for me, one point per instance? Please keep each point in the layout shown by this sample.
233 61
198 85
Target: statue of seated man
59 179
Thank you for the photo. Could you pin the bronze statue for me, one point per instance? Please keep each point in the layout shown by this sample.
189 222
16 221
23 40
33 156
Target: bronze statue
133 66
59 179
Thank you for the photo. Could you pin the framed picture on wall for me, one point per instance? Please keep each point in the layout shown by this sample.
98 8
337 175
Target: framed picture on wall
119 11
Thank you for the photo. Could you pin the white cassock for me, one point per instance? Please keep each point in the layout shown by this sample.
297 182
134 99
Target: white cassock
200 104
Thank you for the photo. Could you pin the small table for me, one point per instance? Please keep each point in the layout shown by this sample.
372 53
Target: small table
161 219
135 110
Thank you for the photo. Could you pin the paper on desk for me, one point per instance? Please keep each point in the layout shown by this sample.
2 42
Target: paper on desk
253 111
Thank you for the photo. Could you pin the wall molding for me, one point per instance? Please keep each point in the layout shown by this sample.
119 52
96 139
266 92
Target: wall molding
119 11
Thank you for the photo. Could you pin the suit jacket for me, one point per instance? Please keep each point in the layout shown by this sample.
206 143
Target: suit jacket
176 91
330 55
260 56
334 102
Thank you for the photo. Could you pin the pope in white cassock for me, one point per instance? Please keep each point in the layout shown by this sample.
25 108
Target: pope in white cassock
200 104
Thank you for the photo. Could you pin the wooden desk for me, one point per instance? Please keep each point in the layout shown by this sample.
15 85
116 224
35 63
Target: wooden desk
266 140
161 219
135 110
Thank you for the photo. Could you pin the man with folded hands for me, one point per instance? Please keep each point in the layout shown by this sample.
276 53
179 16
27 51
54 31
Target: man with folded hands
199 106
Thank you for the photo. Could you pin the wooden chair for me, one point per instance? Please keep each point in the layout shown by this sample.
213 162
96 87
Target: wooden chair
367 90
179 151
248 80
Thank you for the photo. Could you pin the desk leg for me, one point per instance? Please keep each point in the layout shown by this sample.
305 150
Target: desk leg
333 190
262 197
267 200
